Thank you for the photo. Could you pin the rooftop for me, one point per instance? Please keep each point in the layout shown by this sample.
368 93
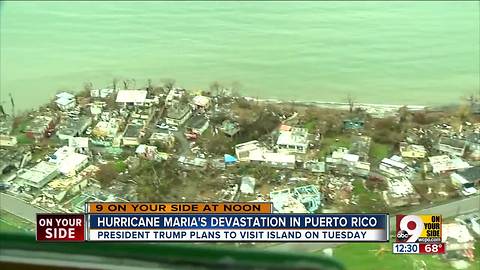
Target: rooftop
230 128
471 174
201 101
400 187
64 101
39 172
445 163
412 147
102 93
473 137
131 96
71 162
106 128
39 123
178 112
64 95
394 163
259 155
78 142
72 126
295 136
132 131
247 146
452 142
196 121
161 134
61 154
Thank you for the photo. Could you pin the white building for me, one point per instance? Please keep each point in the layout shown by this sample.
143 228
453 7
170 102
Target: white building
242 150
68 161
201 102
79 143
395 168
162 136
65 101
131 97
61 154
177 115
39 175
279 160
293 140
146 151
73 164
101 93
443 164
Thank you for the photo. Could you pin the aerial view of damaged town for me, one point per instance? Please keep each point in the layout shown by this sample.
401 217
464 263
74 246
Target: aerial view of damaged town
114 115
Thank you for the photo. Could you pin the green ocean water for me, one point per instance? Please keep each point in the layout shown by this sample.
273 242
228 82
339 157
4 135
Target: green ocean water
380 52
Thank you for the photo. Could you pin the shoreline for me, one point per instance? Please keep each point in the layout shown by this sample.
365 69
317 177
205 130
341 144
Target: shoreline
370 108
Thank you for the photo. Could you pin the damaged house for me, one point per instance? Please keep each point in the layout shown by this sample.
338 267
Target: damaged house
177 115
73 127
309 196
197 124
454 147
293 140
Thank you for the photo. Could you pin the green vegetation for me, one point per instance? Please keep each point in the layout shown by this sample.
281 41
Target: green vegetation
368 201
329 144
378 151
12 223
120 166
23 139
311 126
106 174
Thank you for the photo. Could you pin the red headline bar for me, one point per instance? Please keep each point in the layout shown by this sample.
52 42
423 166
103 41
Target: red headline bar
61 227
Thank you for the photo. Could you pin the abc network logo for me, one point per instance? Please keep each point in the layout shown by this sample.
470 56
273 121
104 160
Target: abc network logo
409 228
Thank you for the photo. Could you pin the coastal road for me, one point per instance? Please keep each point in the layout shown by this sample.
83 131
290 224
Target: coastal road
182 141
447 210
20 208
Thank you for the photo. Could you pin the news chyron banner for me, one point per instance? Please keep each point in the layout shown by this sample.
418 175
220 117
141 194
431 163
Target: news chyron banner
418 234
208 222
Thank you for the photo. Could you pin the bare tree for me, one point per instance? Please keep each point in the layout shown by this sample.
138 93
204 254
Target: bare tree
463 112
114 84
351 102
215 87
149 85
403 113
87 86
168 83
236 87
126 83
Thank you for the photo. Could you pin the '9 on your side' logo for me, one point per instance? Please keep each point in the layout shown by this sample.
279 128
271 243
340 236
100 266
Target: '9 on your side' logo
409 228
